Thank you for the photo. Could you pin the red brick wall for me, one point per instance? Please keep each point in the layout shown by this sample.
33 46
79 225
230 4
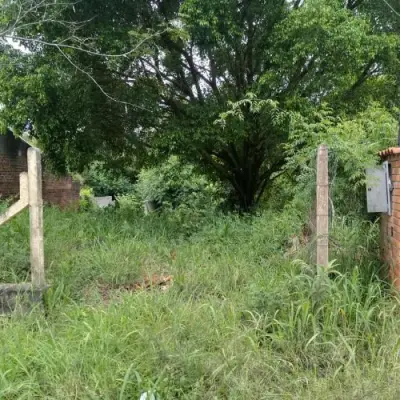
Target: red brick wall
57 191
10 168
390 226
63 191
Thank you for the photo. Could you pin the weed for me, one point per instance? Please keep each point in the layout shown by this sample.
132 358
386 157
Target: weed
242 319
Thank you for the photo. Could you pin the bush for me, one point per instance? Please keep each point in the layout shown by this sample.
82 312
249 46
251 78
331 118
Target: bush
174 184
353 146
86 198
107 183
129 203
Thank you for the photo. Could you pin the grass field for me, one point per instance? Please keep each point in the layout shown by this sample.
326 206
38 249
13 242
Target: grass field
243 320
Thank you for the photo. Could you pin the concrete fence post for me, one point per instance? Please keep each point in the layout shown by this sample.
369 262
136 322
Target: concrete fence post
24 188
23 297
36 217
322 207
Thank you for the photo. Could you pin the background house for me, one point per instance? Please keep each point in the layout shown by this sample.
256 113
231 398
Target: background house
61 191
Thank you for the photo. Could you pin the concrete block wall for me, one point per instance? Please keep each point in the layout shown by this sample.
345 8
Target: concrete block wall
390 224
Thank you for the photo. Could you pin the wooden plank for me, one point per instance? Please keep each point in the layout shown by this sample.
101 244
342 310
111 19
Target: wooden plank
322 207
36 217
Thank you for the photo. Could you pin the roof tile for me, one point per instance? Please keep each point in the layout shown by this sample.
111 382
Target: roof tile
389 152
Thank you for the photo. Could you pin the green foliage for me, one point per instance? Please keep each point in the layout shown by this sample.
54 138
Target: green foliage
320 31
241 319
244 92
107 182
14 260
174 184
129 204
86 198
353 145
330 323
187 64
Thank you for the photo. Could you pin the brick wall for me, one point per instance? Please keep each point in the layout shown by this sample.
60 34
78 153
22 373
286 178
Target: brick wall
57 191
63 191
10 168
390 224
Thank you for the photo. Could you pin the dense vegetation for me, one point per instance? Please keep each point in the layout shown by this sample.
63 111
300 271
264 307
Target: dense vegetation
219 83
213 111
242 319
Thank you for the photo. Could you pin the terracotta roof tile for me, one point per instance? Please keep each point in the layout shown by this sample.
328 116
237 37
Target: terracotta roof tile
389 152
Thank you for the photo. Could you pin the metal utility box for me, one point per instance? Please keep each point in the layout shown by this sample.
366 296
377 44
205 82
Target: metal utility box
379 189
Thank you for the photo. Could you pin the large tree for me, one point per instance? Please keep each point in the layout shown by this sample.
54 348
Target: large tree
213 81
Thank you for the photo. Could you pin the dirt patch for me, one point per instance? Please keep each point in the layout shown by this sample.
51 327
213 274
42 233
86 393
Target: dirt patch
153 282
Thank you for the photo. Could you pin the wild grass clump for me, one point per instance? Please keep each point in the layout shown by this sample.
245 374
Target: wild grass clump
245 317
323 319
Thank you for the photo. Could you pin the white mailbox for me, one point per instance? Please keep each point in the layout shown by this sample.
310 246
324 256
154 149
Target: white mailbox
379 189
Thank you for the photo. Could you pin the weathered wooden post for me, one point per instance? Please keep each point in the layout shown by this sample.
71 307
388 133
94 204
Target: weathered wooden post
322 207
36 217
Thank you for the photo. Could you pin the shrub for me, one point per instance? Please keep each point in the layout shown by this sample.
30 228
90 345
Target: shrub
353 146
86 198
174 184
128 203
106 182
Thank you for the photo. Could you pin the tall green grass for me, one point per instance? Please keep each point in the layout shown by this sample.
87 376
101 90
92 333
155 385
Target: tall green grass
243 319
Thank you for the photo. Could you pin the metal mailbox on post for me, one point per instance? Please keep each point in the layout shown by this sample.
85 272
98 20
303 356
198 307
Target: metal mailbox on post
379 189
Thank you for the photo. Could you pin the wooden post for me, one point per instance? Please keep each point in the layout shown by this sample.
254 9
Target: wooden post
322 207
36 217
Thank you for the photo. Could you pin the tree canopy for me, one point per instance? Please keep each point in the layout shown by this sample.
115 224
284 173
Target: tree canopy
215 82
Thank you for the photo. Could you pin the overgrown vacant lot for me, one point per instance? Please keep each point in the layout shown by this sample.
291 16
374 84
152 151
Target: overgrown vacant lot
243 320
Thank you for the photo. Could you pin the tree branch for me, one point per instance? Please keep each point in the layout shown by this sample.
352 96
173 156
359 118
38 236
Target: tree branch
391 7
302 70
99 86
195 73
367 72
80 49
297 4
353 4
180 84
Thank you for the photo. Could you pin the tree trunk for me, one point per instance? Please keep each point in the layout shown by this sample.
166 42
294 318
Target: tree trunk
245 173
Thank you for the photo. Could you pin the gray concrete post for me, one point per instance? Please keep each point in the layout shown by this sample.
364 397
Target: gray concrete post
322 207
36 217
